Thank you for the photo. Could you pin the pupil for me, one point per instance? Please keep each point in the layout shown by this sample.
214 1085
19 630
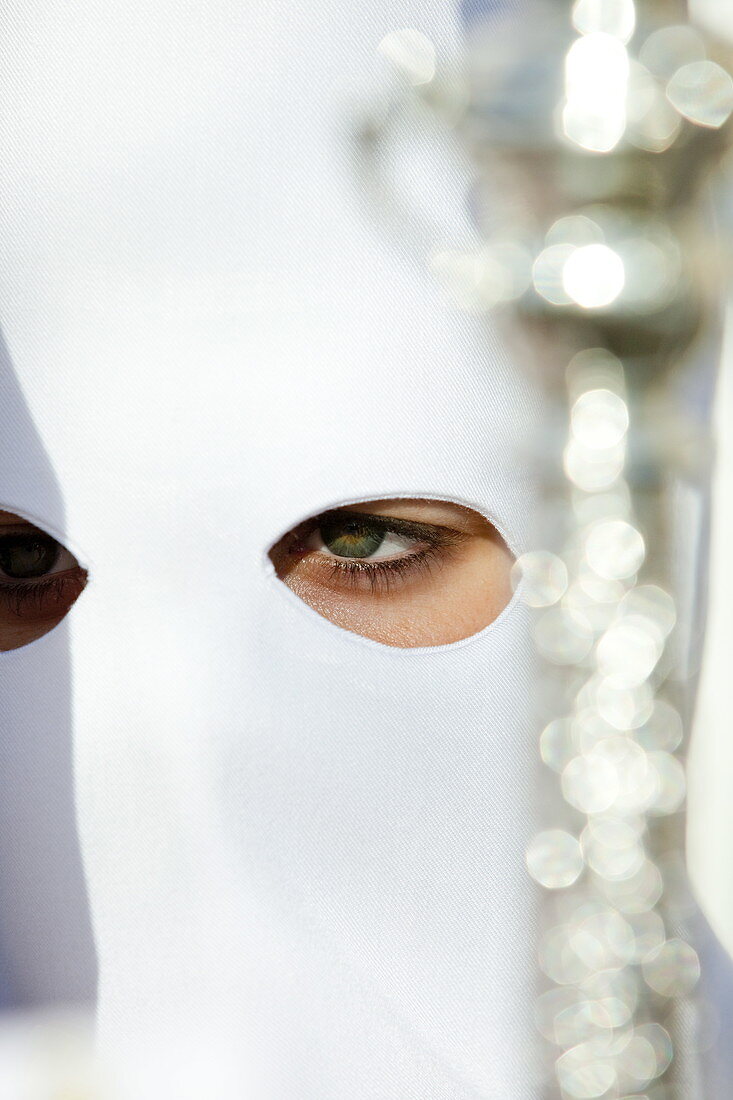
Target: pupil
350 539
23 556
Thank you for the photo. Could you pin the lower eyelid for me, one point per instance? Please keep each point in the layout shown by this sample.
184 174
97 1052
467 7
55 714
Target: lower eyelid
379 577
18 583
43 596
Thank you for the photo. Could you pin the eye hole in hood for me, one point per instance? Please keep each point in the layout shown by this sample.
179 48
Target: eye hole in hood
406 572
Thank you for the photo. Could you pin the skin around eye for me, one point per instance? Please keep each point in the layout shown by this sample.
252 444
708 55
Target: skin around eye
402 572
39 581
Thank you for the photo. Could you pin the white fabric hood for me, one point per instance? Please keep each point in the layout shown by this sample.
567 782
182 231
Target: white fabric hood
304 851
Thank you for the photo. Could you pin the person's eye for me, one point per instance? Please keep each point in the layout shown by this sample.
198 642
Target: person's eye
39 581
371 551
361 540
404 572
28 555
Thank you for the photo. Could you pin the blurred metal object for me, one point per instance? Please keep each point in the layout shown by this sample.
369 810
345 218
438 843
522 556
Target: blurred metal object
593 130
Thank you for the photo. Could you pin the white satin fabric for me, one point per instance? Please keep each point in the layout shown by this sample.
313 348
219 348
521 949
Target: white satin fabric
304 850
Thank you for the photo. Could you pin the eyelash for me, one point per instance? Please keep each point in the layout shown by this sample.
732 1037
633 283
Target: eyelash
382 576
20 597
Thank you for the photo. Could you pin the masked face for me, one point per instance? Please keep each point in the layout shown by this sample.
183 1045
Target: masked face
369 567
303 801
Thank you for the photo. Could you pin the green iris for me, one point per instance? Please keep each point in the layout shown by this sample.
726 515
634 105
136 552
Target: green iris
351 539
23 556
